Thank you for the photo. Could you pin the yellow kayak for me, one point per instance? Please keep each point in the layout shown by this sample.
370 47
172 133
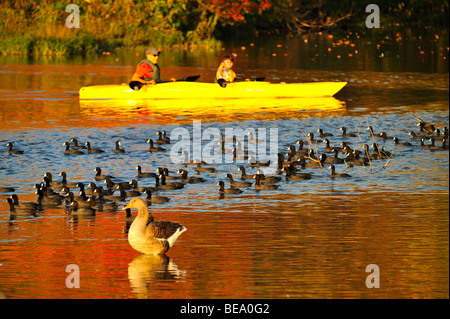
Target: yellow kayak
199 90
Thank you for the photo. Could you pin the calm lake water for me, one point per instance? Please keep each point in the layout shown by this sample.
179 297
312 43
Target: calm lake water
308 239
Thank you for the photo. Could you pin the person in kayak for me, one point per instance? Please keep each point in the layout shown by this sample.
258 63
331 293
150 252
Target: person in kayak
225 73
147 71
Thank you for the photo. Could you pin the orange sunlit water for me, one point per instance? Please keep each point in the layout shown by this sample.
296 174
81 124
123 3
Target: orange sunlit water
308 239
295 250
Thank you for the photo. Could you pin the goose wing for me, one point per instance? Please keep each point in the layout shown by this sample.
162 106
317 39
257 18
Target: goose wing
162 229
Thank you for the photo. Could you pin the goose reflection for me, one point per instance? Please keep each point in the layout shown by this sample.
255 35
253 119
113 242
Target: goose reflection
147 269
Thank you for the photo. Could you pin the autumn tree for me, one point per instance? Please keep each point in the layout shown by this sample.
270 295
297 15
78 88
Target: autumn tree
226 12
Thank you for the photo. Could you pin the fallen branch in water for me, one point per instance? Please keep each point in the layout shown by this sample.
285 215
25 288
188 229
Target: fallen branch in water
315 148
377 148
365 150
374 140
388 160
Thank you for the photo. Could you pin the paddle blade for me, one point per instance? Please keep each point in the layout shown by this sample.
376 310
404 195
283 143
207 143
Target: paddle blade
222 83
192 78
136 85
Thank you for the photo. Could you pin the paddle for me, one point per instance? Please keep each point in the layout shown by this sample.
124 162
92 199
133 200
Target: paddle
136 85
223 83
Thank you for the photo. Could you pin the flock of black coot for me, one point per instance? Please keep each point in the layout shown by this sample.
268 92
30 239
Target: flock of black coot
105 192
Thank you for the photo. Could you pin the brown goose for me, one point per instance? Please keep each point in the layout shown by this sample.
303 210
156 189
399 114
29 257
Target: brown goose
384 136
294 154
75 144
243 174
93 150
162 138
397 142
99 176
154 199
166 173
65 182
370 129
103 206
223 190
68 151
169 185
328 148
268 179
205 169
434 147
312 139
129 193
165 138
322 134
13 151
47 201
414 135
114 198
427 127
25 211
291 175
6 189
187 179
334 174
301 150
353 158
23 205
155 238
254 163
118 149
259 186
142 174
335 159
233 183
134 186
345 134
153 148
317 163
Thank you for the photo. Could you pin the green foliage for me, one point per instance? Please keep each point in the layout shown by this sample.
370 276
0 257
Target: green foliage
17 45
38 26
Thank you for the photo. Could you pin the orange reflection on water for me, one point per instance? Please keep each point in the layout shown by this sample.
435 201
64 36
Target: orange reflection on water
112 113
180 111
310 247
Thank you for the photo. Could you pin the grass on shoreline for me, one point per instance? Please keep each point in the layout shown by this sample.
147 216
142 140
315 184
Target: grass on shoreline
84 44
